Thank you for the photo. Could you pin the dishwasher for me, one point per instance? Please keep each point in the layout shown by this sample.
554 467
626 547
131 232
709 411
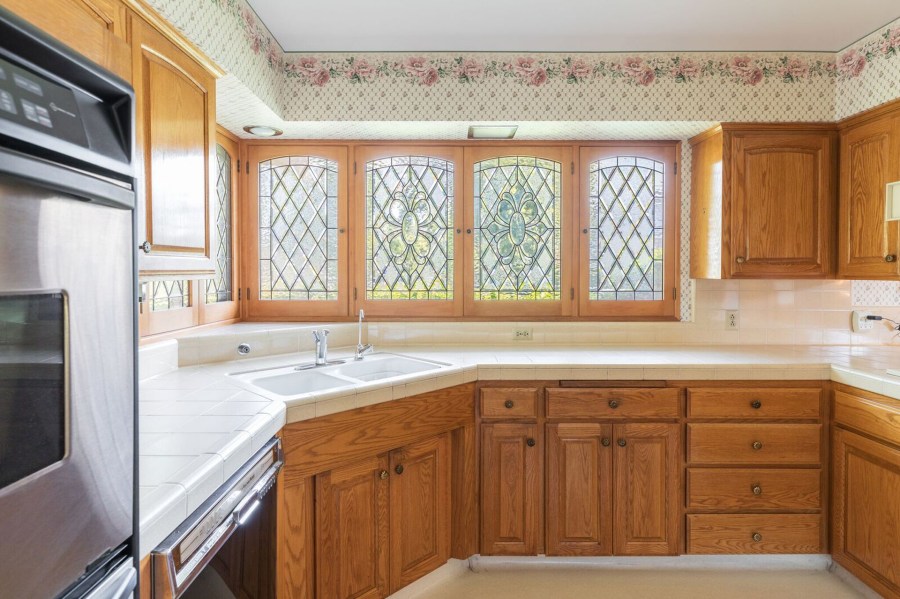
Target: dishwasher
226 548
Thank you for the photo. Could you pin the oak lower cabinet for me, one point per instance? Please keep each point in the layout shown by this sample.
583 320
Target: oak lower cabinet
755 475
383 522
612 488
511 484
766 195
866 488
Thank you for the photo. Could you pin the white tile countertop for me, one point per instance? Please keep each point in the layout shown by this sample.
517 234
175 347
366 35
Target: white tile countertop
198 425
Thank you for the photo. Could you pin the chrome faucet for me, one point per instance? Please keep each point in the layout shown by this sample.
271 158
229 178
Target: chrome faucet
321 338
362 350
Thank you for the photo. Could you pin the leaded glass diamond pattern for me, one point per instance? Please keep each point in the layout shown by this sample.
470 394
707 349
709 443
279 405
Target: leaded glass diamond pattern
298 233
218 289
169 295
409 220
516 234
626 229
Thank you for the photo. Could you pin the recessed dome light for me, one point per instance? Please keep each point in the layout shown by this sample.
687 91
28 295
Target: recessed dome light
263 131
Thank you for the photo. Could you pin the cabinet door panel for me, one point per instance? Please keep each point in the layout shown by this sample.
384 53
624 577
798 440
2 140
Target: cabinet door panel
176 136
869 161
579 489
782 204
647 503
511 489
420 510
352 531
866 514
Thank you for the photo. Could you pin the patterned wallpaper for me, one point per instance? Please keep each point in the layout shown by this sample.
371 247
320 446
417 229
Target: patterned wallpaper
868 72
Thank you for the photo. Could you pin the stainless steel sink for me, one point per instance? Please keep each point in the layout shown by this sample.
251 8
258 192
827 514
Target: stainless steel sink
290 381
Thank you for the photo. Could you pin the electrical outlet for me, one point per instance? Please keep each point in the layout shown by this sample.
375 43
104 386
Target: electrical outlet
522 334
859 323
731 320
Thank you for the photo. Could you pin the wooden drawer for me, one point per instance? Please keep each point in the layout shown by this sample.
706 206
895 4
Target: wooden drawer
743 489
754 443
754 403
613 403
754 533
508 403
877 417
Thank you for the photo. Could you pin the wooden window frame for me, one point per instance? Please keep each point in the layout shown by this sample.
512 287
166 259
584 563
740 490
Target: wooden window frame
515 309
359 264
255 308
667 308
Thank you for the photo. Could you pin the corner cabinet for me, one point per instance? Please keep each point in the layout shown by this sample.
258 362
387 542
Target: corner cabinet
763 201
868 245
175 135
866 488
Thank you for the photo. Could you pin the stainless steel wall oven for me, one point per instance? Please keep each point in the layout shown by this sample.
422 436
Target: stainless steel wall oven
67 322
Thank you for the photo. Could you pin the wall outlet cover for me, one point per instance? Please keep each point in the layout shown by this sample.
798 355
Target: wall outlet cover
859 323
732 322
526 334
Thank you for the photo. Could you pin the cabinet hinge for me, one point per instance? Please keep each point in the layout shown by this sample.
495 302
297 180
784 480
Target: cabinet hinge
674 293
248 293
247 167
571 293
354 293
354 167
676 167
239 294
239 166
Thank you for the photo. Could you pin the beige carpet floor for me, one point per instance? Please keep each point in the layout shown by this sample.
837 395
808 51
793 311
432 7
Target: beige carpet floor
550 583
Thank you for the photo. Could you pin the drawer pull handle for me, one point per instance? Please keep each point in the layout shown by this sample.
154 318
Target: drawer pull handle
604 441
757 490
757 445
399 469
530 442
508 404
613 404
757 537
756 404
622 442
383 474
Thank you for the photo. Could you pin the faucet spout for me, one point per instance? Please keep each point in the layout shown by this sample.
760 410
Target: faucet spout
362 350
321 338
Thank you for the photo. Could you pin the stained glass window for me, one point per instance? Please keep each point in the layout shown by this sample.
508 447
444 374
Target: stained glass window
409 228
298 230
169 295
626 200
218 289
517 228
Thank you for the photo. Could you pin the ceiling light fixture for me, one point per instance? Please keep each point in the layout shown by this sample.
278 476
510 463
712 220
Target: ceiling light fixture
492 131
263 131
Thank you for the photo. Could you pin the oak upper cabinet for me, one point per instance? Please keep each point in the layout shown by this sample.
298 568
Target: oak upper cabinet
176 98
866 488
612 489
511 482
383 522
763 201
868 245
94 28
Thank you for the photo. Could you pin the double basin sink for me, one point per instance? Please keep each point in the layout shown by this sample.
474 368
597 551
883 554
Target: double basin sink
290 381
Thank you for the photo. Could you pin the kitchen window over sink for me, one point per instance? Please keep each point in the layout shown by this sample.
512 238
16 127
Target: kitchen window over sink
422 230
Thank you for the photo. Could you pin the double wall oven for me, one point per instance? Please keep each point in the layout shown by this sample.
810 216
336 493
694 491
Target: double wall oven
67 322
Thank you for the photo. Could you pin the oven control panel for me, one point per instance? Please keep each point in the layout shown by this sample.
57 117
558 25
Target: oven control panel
40 104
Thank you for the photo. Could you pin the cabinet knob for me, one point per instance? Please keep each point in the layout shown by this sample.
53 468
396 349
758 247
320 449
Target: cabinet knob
756 404
458 231
399 469
757 537
613 404
469 231
584 231
757 490
383 474
757 445
508 404
146 247
604 441
890 258
740 259
530 442
622 442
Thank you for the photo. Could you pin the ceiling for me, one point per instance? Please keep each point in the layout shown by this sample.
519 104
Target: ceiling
572 25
